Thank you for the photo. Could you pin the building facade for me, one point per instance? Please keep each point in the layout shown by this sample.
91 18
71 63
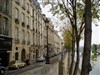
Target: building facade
23 31
27 30
5 33
58 43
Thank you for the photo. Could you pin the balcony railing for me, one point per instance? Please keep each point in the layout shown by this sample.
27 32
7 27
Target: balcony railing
4 32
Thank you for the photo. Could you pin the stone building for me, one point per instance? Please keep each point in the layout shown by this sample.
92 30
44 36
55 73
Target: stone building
27 30
58 43
5 31
50 31
23 31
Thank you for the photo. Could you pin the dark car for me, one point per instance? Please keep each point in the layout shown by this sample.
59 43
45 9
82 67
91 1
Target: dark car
2 69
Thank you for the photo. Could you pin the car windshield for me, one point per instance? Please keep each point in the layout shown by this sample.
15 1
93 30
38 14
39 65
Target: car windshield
12 62
17 61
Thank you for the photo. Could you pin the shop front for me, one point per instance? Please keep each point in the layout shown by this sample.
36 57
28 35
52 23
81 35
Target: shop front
5 49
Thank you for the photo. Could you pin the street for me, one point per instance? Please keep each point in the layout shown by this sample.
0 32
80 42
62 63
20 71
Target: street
22 70
38 68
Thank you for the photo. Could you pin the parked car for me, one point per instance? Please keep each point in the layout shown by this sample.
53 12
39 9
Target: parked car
16 64
40 59
2 69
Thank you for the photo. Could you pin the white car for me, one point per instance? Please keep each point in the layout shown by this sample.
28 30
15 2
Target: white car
16 64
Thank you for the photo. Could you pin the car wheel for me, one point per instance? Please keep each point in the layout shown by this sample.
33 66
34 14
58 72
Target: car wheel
2 71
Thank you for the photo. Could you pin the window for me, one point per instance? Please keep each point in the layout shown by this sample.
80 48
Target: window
27 36
16 13
27 7
17 1
5 5
23 3
33 38
23 34
16 33
33 24
27 20
0 5
23 17
31 11
5 31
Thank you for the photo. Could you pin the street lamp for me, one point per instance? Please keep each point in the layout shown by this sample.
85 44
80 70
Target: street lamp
47 53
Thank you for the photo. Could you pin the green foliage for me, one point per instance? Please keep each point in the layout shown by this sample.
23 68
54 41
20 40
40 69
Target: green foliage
94 52
67 34
95 9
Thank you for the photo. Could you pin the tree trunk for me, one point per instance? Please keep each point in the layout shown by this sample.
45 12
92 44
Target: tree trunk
73 54
77 58
86 66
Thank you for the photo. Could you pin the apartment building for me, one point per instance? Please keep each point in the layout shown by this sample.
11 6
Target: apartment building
50 36
27 30
38 24
58 43
5 31
23 31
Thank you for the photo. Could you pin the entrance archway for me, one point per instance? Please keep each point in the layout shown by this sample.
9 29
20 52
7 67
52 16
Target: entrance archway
23 55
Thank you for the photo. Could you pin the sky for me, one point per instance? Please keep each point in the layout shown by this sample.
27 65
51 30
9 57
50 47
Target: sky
95 28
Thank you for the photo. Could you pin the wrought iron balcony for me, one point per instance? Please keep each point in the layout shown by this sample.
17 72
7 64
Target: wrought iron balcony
4 32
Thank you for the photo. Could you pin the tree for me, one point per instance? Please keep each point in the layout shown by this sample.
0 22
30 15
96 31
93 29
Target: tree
68 37
94 52
74 11
86 66
67 9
